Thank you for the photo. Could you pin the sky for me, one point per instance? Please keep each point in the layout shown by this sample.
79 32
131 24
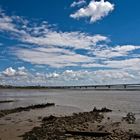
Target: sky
69 42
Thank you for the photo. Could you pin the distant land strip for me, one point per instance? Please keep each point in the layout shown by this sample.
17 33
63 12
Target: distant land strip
96 87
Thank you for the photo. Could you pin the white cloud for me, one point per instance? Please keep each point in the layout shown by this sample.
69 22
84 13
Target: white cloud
78 3
126 48
125 64
117 51
130 64
75 40
93 65
21 71
9 72
54 57
43 35
52 46
84 77
71 77
59 49
52 75
96 10
7 22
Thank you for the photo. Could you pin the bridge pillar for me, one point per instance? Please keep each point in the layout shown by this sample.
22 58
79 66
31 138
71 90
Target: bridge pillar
124 86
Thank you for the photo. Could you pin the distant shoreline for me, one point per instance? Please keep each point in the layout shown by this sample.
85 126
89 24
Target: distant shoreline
100 88
73 89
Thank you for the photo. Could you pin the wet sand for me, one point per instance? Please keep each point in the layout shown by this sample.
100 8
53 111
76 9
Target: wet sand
25 123
14 125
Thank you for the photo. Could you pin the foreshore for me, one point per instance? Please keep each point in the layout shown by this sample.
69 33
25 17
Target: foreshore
26 114
52 123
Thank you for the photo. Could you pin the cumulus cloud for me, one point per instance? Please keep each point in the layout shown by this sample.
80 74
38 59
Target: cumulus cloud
96 10
52 75
9 72
85 77
78 3
70 77
21 71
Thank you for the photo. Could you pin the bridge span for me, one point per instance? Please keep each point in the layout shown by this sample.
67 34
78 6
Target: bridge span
113 86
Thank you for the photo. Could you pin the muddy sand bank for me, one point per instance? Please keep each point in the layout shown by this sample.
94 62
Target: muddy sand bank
52 122
94 121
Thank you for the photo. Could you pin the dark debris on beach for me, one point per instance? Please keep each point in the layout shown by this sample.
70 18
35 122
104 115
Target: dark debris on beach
103 110
6 101
54 128
20 109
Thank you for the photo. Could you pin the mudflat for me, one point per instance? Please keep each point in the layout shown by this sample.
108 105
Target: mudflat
73 111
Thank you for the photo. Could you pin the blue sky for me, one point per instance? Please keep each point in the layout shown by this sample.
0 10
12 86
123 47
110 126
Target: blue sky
69 42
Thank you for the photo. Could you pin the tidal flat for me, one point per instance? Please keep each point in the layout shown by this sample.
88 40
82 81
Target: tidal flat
70 105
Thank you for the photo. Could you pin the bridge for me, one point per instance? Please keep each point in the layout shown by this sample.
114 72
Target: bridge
96 87
113 86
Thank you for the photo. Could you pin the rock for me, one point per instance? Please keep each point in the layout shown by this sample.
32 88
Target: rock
50 118
54 128
130 118
101 110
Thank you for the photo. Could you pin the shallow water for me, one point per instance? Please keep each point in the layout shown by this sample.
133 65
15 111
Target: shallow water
119 101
